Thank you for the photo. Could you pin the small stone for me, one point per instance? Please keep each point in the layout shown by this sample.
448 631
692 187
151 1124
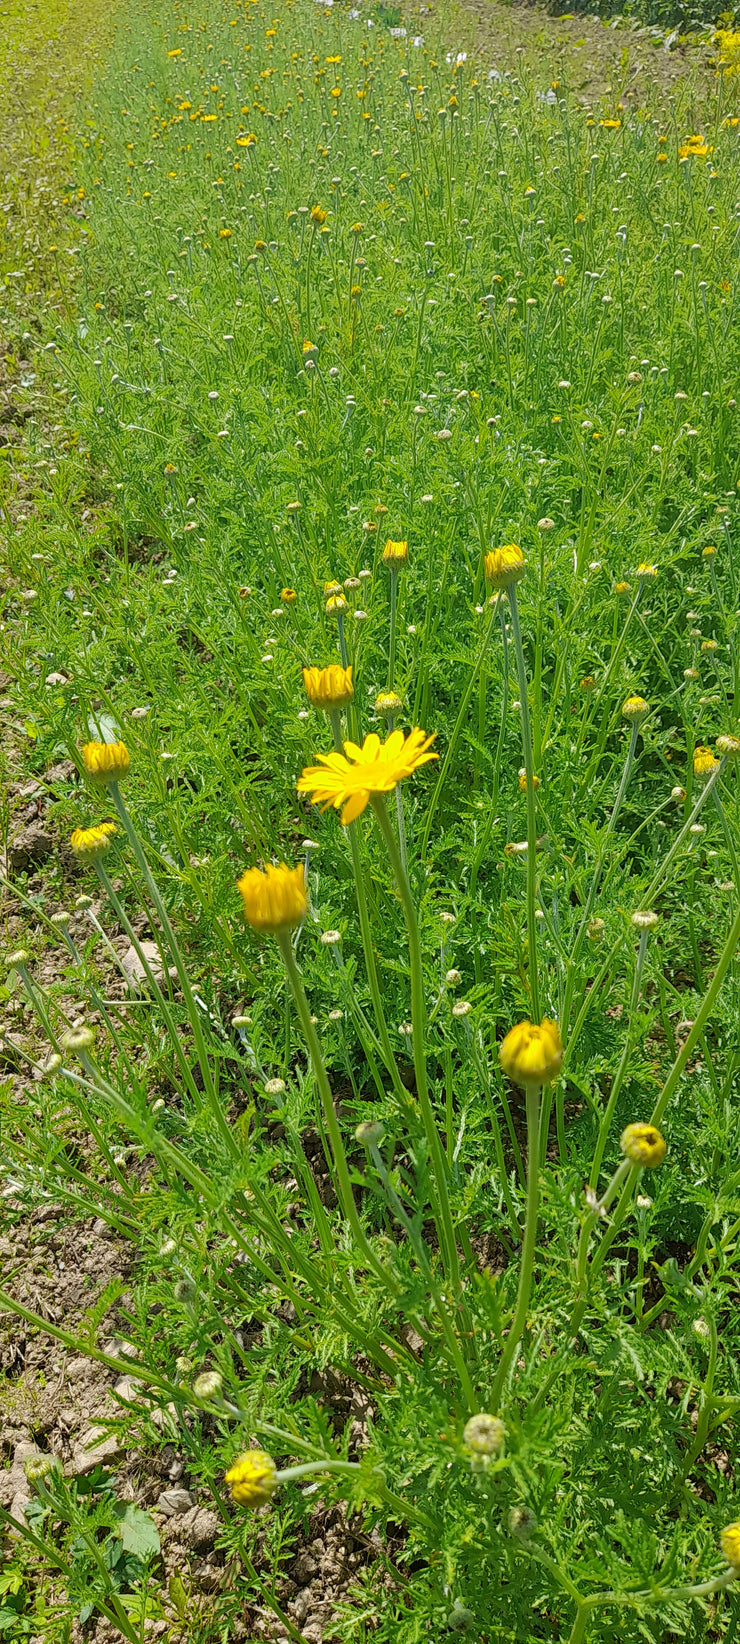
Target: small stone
94 1450
30 847
304 1568
174 1502
200 1528
134 967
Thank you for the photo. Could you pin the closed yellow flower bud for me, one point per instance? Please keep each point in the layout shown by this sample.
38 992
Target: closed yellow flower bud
728 746
621 588
504 566
532 1054
704 761
106 761
643 1145
252 1478
730 1544
635 709
288 596
395 555
330 687
274 900
523 780
388 703
90 842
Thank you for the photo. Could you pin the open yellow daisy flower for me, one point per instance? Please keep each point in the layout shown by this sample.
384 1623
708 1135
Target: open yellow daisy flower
349 779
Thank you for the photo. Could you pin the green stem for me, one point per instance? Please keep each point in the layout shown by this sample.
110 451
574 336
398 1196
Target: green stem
570 984
534 985
418 1019
454 739
367 941
182 975
392 635
330 1118
519 1320
618 1081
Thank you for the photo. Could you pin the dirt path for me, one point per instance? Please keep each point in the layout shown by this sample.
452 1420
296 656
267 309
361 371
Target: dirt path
614 60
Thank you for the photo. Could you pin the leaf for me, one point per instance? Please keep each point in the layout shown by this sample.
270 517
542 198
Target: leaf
178 1596
138 1533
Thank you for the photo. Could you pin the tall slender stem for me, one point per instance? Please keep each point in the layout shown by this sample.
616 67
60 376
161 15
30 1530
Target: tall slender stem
182 975
367 940
534 984
330 1119
418 1019
611 825
392 636
519 1320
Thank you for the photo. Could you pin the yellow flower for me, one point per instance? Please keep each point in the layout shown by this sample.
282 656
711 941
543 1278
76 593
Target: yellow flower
643 1145
224 234
532 1055
610 125
350 778
309 349
395 554
647 570
288 596
336 604
276 899
709 645
318 216
106 761
588 682
92 841
259 245
504 565
728 746
332 587
704 761
523 780
252 1477
329 688
635 709
621 588
730 1544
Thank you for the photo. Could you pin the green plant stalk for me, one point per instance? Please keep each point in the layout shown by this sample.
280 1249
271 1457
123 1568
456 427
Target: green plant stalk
659 877
618 1080
386 1047
393 571
287 1252
111 1607
533 976
168 1018
570 983
330 1119
518 1323
182 975
648 1595
582 1277
418 1018
352 1468
454 739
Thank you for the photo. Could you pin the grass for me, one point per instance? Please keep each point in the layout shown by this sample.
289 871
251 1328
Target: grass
458 311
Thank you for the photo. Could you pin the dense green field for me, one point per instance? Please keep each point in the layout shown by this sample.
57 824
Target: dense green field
384 357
